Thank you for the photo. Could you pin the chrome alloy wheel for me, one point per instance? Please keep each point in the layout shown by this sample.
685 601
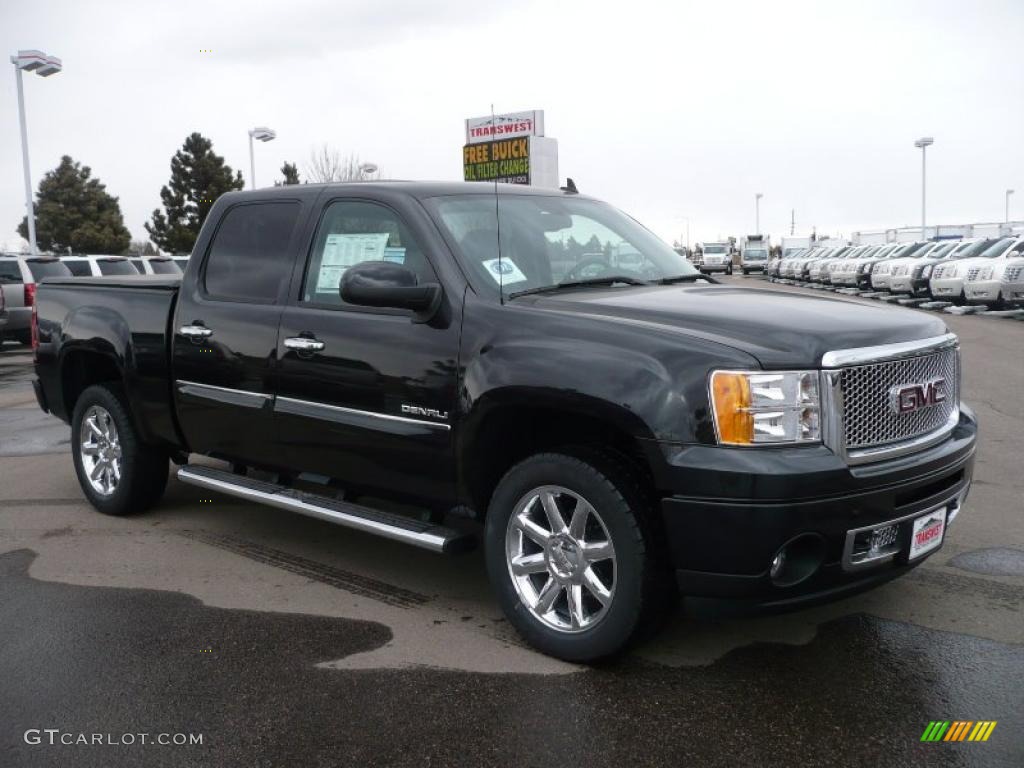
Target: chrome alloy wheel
100 450
561 558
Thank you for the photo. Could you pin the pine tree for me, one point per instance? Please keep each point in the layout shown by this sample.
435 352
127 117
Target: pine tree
198 178
290 171
74 211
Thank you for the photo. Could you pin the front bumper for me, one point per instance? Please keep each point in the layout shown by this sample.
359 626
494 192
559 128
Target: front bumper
982 291
915 286
714 267
947 287
733 510
880 282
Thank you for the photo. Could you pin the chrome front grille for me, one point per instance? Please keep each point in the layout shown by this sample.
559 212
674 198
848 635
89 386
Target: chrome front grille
972 273
870 417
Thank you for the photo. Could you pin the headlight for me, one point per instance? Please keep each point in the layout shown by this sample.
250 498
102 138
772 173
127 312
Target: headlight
985 274
758 407
926 270
1012 274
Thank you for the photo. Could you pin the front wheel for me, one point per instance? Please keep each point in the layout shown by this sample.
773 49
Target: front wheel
119 474
571 558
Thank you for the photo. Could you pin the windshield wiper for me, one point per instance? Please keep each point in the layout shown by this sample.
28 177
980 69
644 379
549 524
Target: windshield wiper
603 280
682 279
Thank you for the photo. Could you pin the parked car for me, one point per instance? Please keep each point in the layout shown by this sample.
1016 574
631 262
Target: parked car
984 283
99 265
914 277
880 273
948 281
156 265
3 313
619 439
716 257
844 274
819 271
1011 286
19 275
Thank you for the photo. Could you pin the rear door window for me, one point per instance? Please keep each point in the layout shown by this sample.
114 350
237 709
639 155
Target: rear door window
47 268
116 267
249 259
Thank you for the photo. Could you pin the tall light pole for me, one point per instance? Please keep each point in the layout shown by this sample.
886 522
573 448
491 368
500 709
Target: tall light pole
44 66
923 143
1008 193
757 213
260 133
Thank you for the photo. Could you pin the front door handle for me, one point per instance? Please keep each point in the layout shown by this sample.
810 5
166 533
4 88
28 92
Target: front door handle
303 344
195 331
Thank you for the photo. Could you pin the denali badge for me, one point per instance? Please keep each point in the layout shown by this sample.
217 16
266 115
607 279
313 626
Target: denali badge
416 410
907 398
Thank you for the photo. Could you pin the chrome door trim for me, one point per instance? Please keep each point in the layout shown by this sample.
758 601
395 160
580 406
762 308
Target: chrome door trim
885 352
343 415
240 397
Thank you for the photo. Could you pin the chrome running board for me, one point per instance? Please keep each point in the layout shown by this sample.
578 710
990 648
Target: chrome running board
429 536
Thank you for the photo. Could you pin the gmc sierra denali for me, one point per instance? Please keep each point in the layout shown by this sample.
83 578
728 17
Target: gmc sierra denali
624 431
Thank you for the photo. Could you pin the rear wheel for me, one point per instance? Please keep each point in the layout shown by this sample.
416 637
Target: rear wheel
571 557
119 474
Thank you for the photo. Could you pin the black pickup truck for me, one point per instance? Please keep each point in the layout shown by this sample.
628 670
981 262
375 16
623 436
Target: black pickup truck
623 429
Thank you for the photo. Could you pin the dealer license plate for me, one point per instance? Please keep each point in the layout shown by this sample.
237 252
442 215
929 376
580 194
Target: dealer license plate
928 532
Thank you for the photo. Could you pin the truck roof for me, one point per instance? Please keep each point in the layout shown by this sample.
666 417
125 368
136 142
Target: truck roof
418 189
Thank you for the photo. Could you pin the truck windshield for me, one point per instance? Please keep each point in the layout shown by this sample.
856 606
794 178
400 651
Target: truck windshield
714 249
754 254
548 240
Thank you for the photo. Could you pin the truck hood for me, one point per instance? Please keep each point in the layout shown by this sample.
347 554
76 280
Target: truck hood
781 330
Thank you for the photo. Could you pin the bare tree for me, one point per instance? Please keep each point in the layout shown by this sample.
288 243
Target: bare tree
327 165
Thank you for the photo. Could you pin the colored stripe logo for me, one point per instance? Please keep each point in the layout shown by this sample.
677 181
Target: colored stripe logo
958 730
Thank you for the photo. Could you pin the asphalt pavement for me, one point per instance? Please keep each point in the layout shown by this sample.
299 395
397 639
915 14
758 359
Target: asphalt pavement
281 640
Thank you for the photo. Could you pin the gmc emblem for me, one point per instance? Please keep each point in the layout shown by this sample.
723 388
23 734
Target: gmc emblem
907 398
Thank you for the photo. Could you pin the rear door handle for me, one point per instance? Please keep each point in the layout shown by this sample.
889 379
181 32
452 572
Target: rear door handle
195 331
303 344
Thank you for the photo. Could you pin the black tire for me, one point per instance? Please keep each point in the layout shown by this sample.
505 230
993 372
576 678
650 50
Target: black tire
24 338
642 583
143 468
745 273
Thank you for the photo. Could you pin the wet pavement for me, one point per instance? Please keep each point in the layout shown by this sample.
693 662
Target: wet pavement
285 641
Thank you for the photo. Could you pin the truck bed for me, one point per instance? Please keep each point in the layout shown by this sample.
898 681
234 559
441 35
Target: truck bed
120 324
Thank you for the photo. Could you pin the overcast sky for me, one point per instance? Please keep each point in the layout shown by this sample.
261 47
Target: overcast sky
667 109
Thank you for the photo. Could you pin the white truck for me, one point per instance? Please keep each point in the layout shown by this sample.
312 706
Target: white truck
716 257
754 254
791 245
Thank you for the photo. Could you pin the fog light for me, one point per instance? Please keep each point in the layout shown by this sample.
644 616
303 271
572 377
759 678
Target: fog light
797 560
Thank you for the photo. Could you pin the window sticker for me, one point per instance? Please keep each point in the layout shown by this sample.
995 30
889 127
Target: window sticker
504 271
394 255
343 251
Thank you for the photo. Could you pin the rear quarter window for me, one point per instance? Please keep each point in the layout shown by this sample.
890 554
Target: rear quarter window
41 269
119 267
10 272
79 268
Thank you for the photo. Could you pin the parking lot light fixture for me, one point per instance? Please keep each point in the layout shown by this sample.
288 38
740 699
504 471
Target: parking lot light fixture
260 133
1008 193
923 143
757 213
44 66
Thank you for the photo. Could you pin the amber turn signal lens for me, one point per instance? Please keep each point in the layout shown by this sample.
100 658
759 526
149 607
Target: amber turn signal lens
730 394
